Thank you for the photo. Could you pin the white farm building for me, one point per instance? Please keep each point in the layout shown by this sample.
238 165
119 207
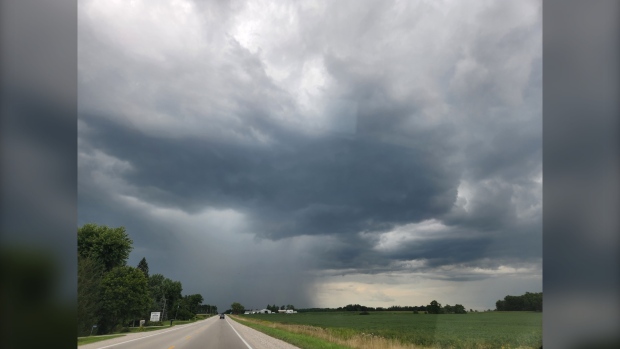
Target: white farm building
262 311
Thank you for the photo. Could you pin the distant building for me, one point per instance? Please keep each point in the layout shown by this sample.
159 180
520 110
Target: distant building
287 311
254 311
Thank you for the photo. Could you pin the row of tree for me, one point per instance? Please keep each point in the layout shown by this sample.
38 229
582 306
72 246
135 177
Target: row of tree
112 294
526 302
433 308
436 308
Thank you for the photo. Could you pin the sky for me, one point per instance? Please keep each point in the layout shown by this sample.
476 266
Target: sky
317 153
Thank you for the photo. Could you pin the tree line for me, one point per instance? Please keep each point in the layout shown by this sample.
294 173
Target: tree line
526 302
112 295
433 308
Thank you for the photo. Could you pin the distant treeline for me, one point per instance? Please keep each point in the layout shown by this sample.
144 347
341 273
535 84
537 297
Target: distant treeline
358 307
527 302
433 308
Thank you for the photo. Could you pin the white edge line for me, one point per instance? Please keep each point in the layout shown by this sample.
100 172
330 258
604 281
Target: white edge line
135 339
231 326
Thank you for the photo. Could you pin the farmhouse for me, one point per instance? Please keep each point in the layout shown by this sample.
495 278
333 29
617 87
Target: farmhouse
287 311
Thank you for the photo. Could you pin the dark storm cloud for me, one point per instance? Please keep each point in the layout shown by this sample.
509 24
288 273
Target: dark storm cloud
356 138
306 185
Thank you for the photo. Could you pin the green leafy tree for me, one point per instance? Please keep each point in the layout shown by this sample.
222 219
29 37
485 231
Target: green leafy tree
526 302
108 246
172 293
187 307
237 308
164 292
90 273
156 292
434 307
459 309
144 267
100 250
207 309
124 296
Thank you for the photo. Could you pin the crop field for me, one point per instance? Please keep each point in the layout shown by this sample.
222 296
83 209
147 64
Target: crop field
463 331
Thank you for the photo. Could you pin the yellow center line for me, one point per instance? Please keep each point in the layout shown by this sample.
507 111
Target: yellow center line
171 347
188 337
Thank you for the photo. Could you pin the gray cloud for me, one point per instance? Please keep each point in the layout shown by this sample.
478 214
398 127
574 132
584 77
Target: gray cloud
331 131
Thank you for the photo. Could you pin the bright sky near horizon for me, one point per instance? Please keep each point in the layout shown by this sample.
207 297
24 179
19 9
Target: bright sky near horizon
317 153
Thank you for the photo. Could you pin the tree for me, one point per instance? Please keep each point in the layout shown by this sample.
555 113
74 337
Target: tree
172 293
160 289
237 308
109 246
459 309
144 267
434 307
88 287
527 302
100 249
189 306
124 296
156 292
207 309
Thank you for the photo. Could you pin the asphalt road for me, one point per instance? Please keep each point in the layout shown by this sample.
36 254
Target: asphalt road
212 333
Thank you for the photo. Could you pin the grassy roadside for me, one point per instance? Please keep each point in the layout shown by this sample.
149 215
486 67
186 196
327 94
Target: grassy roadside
126 330
301 340
88 340
326 337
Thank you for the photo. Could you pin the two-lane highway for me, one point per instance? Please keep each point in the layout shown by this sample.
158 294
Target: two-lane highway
212 333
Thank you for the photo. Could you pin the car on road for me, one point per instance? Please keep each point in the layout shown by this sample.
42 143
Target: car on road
221 316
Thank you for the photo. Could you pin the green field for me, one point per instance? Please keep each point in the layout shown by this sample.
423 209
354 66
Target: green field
472 330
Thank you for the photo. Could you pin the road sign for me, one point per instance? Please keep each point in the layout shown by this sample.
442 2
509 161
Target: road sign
155 315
